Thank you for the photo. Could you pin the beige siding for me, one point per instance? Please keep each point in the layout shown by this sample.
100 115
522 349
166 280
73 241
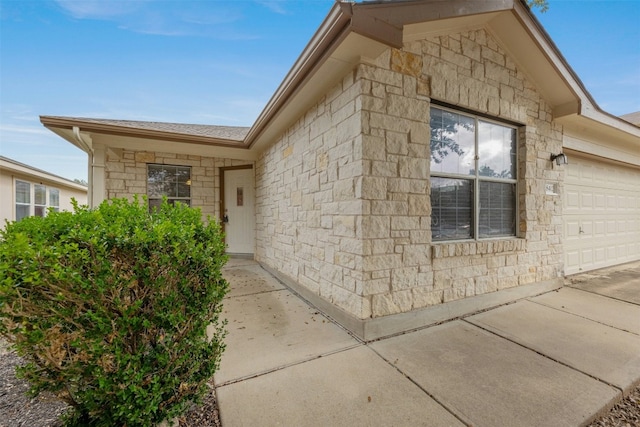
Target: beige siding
7 190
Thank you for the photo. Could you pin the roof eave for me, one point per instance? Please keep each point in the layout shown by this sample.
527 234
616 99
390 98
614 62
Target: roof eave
323 41
27 170
52 122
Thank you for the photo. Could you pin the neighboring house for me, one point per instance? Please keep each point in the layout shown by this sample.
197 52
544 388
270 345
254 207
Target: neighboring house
27 191
404 162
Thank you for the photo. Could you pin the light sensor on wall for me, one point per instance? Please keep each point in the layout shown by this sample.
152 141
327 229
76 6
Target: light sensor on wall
561 159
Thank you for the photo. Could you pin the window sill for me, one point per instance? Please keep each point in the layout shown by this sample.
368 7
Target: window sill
451 249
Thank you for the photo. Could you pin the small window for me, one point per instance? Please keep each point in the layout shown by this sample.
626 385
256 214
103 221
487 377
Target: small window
473 177
23 200
31 199
40 200
172 182
54 199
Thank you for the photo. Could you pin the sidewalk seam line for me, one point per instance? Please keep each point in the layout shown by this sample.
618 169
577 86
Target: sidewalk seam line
288 365
424 390
583 317
254 293
603 296
546 356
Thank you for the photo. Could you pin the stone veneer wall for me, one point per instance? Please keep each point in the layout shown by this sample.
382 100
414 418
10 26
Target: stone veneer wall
343 203
126 175
307 207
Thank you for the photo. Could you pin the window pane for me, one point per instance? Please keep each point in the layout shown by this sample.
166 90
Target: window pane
451 208
496 151
452 142
158 189
54 198
40 194
184 190
154 204
183 175
22 211
23 192
39 210
168 181
155 173
497 209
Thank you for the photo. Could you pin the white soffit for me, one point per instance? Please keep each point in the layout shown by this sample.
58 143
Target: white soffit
538 62
341 61
167 146
422 30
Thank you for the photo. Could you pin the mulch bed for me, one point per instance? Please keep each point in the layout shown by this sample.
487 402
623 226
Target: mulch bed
20 410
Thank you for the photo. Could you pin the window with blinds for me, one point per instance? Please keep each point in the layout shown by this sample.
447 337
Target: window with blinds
473 176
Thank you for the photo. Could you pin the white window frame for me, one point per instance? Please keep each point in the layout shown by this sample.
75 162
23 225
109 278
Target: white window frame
31 204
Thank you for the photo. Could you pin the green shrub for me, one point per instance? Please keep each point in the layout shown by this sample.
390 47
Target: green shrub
110 308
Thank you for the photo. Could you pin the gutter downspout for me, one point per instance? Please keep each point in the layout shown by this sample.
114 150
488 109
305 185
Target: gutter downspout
86 147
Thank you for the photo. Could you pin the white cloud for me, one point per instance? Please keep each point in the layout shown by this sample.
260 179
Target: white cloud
99 9
276 6
164 18
17 129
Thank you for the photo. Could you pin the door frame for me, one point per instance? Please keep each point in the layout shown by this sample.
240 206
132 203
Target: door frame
222 172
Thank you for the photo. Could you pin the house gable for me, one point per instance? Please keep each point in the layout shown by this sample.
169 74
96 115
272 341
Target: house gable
343 152
358 234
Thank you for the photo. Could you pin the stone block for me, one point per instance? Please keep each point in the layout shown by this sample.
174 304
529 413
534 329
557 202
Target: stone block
395 302
419 205
376 286
371 188
404 278
453 294
344 225
414 168
406 62
382 246
145 157
382 262
375 227
405 223
425 297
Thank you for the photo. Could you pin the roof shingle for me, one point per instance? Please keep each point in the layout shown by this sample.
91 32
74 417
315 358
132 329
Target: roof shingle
232 133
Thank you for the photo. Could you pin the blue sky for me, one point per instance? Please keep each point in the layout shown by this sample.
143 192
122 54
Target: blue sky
218 62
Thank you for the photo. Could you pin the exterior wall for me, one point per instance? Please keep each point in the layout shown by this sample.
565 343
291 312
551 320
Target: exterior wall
126 175
308 210
7 192
469 70
343 204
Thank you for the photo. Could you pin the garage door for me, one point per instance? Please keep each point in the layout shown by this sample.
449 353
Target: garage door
601 215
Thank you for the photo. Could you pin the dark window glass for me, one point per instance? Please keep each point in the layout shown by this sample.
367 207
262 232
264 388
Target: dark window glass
497 213
451 208
173 182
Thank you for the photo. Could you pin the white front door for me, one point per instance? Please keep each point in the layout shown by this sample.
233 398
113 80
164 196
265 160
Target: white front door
239 215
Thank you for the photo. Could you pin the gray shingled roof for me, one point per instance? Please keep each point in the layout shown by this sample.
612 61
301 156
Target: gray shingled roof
233 133
633 118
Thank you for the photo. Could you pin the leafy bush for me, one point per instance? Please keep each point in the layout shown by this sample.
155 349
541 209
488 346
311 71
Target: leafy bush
110 308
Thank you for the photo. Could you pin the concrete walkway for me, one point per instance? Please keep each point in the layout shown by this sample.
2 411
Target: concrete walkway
558 359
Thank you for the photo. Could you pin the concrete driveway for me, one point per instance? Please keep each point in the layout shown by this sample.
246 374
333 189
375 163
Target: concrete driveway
557 359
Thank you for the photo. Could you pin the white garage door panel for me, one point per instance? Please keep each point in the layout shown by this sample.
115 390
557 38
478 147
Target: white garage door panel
601 215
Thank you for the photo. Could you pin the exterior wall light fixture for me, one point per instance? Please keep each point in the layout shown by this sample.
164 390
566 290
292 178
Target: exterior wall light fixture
561 159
